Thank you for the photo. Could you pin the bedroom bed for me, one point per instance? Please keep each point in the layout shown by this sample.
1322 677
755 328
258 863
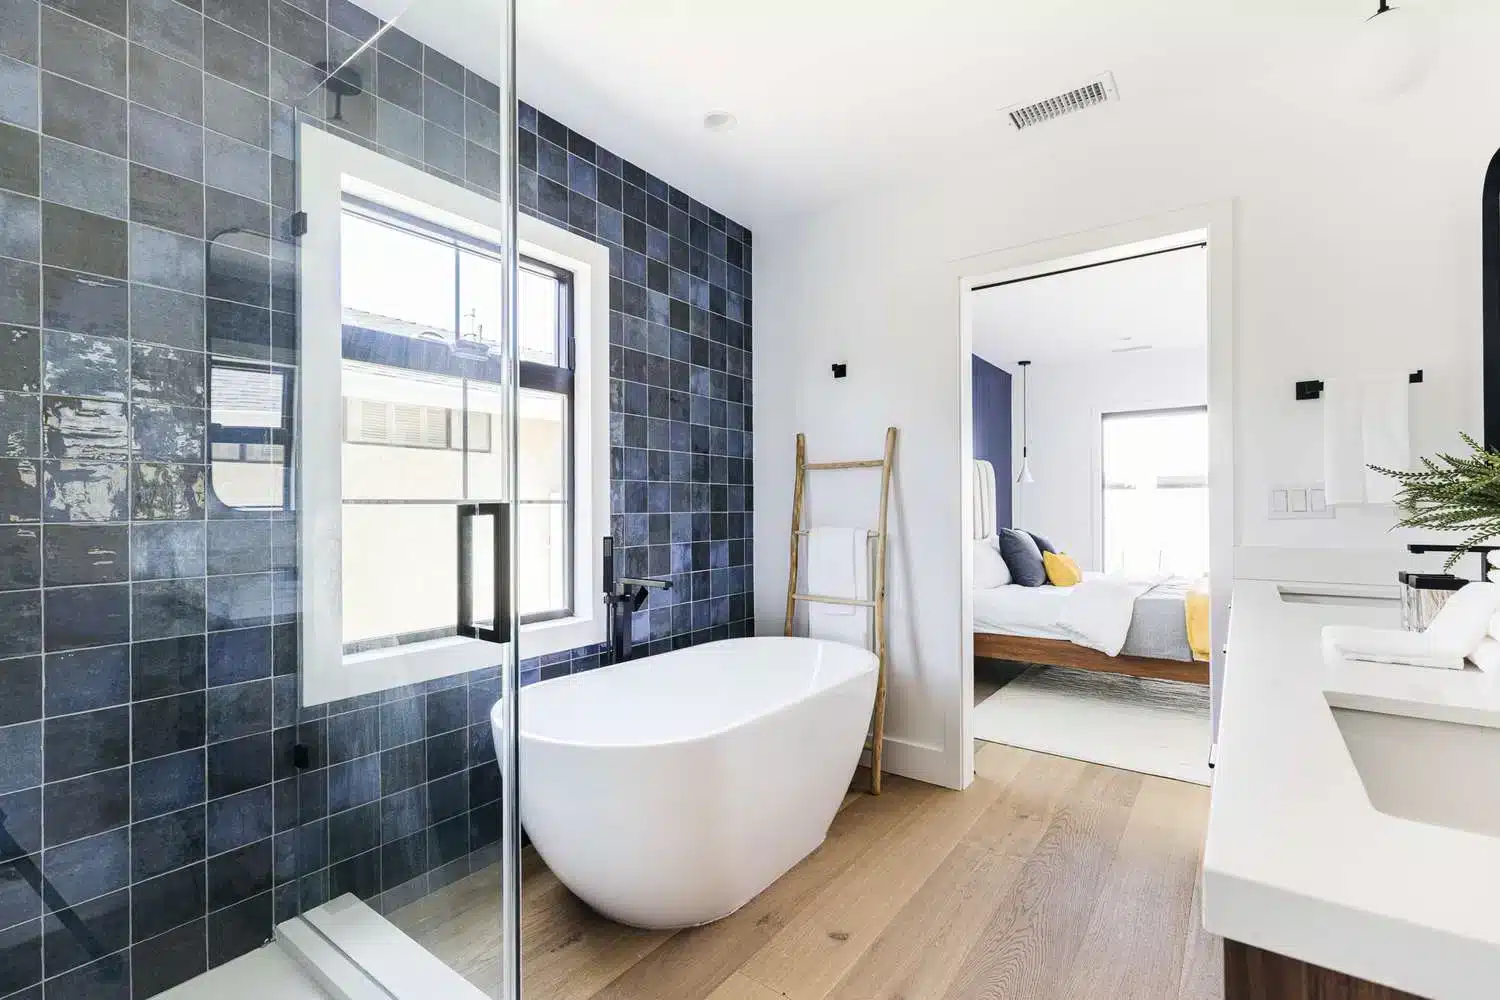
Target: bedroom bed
1020 624
1138 627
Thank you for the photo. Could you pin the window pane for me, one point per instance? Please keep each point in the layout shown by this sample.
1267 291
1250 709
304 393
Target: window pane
397 280
543 443
537 331
479 297
484 406
397 434
1141 448
400 573
1155 492
542 557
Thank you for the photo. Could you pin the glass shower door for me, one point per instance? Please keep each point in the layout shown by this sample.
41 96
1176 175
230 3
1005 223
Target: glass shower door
396 842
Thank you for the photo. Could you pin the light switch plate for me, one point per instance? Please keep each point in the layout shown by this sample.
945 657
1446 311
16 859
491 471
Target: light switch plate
1299 501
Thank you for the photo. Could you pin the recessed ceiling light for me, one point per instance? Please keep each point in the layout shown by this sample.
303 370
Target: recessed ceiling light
719 121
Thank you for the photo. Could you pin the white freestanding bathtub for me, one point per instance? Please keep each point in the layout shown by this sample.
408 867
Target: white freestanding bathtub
669 791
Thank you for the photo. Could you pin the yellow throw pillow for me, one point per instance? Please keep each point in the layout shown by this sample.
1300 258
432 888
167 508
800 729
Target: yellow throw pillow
1062 571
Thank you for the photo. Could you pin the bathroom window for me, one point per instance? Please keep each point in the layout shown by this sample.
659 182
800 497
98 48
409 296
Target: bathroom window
408 284
1155 508
409 414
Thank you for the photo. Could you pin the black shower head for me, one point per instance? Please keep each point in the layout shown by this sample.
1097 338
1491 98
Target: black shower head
342 82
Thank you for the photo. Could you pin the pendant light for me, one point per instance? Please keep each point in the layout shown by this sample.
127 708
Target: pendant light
1025 474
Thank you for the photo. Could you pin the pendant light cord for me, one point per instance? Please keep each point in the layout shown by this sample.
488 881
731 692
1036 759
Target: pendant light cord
1025 411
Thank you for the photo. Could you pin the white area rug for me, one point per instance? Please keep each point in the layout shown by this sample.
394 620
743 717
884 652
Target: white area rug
1138 724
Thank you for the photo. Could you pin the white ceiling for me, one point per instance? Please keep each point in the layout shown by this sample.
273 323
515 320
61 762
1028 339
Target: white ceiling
834 96
1159 301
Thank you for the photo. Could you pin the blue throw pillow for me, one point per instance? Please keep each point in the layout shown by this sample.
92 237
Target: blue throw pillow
1023 557
1042 543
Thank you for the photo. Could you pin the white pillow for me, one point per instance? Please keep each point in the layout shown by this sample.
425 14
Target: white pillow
989 566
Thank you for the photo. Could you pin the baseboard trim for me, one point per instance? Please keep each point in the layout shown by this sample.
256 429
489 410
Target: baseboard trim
918 761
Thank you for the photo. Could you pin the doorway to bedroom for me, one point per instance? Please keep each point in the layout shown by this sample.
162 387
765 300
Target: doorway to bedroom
1091 544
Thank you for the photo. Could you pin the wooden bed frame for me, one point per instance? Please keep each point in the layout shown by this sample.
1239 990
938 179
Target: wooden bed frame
1061 653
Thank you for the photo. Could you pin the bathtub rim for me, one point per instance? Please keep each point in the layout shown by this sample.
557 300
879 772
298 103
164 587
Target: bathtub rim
872 667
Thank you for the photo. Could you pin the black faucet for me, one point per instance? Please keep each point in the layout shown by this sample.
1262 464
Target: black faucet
1483 551
624 598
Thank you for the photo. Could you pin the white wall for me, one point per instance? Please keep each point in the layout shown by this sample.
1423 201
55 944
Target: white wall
1067 402
1358 245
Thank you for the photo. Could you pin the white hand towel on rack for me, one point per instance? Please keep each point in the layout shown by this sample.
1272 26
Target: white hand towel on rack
1343 442
1366 421
838 566
1387 433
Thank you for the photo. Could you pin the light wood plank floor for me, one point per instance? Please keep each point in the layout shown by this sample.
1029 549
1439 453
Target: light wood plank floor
1049 879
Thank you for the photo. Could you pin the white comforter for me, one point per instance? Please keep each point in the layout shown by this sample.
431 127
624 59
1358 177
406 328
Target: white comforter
1096 613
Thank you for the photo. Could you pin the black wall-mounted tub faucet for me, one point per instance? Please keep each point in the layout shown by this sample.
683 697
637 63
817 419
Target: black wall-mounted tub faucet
624 597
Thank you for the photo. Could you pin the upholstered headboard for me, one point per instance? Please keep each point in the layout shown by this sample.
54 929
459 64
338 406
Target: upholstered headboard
984 499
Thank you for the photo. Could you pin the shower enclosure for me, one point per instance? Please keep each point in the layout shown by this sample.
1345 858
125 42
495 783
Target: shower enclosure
259 386
404 479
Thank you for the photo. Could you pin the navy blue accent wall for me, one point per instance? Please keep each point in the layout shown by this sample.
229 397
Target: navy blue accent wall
992 429
148 632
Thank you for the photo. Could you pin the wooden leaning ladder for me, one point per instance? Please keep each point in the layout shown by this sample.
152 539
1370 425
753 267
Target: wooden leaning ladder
876 601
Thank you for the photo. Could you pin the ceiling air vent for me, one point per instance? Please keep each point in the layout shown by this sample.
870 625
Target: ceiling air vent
1100 90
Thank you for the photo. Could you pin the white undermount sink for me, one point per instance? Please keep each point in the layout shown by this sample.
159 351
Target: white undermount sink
1442 773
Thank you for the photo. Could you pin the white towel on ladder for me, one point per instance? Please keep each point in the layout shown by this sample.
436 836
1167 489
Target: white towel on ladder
838 565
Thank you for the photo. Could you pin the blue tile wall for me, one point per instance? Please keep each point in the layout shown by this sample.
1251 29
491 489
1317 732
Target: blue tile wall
148 633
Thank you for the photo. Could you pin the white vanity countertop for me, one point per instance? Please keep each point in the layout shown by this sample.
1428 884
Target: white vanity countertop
1297 861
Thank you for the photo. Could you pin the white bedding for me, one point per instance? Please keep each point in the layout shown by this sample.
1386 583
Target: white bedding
1017 610
1096 613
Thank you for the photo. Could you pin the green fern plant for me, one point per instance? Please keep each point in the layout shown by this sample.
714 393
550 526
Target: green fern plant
1453 493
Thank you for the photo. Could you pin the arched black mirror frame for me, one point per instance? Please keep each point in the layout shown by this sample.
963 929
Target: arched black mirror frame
1491 230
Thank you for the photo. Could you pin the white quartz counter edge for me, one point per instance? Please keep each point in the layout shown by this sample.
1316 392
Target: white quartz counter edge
1298 862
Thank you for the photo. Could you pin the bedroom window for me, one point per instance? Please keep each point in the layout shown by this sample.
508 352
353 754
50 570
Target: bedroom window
1155 491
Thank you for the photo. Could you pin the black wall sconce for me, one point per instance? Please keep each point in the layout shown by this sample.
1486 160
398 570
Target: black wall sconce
840 371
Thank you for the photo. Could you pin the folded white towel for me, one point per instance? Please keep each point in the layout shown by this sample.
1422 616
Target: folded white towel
1392 645
1487 656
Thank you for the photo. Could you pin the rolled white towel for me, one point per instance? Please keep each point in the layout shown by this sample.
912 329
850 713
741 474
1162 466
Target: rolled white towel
1487 655
1494 629
1382 645
1467 617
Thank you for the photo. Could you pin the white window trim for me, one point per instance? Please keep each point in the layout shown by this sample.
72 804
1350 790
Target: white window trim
330 167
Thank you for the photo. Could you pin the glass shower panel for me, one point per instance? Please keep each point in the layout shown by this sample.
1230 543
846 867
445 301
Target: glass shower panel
373 425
